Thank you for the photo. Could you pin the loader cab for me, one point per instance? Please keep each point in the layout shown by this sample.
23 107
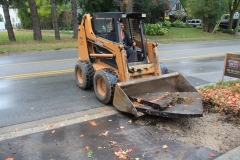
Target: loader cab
107 25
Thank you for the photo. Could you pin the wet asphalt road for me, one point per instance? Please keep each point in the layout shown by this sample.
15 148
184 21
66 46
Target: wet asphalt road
40 85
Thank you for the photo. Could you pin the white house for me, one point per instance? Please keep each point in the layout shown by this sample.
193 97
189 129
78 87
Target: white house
16 23
175 7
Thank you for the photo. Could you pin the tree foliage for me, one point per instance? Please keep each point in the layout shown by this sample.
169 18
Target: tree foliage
90 6
232 7
155 10
210 11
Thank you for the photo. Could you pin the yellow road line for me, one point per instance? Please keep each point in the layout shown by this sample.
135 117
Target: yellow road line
37 74
71 70
49 61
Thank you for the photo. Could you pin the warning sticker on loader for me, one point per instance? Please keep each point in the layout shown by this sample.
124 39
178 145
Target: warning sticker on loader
232 65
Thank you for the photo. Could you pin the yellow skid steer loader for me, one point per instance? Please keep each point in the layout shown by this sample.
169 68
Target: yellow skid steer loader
138 87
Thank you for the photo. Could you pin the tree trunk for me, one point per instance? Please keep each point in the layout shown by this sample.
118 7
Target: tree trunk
74 18
11 35
230 22
208 27
129 7
55 20
37 35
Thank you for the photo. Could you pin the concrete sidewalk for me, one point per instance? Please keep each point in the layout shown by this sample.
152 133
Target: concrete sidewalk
105 138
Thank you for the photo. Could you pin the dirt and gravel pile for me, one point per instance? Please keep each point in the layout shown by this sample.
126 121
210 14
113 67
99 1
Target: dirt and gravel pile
214 131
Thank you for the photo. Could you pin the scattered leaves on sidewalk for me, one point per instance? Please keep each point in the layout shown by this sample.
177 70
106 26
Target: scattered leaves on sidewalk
83 96
53 131
99 148
93 123
130 121
121 127
105 133
123 154
110 120
9 158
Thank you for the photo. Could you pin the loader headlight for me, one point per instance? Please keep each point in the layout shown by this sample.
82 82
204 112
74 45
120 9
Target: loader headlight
124 15
144 15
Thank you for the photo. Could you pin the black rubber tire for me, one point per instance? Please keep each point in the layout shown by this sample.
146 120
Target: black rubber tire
84 72
104 84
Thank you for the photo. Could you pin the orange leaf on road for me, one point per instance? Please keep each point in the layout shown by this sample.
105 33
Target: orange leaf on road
9 158
93 123
86 148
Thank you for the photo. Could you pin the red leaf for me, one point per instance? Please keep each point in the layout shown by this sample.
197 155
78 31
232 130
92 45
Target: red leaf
211 155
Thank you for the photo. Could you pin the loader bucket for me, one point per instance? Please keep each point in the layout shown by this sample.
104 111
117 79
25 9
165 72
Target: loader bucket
168 95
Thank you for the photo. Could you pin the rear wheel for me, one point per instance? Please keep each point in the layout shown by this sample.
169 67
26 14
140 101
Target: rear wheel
104 84
84 72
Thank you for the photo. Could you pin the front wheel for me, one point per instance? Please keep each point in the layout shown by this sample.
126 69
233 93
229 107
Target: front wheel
104 84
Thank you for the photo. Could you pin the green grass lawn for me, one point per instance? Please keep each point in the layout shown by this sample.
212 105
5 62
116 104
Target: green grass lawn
25 42
191 34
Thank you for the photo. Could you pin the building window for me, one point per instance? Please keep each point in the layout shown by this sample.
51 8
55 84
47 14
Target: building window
178 6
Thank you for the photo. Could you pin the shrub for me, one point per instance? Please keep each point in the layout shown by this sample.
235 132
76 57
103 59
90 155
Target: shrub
167 24
155 29
199 27
231 31
179 24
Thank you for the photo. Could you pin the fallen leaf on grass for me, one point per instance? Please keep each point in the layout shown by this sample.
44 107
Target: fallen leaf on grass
9 158
165 146
86 148
105 133
211 155
93 123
